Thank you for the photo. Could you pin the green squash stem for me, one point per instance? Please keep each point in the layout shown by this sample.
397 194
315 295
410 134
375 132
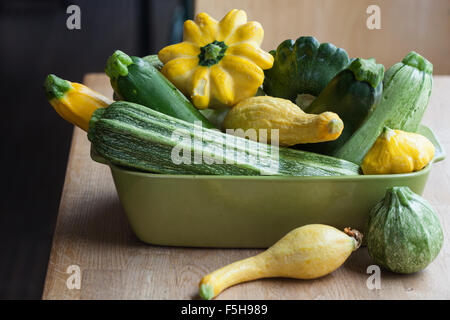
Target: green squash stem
55 87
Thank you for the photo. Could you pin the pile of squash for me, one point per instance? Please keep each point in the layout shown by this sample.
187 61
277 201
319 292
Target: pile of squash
310 94
330 114
220 64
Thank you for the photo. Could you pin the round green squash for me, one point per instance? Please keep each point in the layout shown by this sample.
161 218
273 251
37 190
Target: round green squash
301 67
403 232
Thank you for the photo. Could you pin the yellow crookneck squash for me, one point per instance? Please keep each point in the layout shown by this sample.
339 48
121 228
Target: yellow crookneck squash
219 63
293 124
308 252
397 151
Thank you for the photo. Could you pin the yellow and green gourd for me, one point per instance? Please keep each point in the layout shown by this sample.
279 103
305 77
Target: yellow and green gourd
74 102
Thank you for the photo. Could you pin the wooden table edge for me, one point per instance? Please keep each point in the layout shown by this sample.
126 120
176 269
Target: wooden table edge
50 271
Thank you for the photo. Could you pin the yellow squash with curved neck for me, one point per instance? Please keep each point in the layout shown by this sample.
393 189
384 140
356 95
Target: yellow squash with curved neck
308 252
293 124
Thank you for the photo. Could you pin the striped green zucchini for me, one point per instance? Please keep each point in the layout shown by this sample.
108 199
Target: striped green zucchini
134 136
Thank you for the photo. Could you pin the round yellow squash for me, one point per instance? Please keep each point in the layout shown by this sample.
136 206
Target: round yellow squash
397 151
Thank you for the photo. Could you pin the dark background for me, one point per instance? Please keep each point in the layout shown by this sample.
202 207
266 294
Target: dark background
35 141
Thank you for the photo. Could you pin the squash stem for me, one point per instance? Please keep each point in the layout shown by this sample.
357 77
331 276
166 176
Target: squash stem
367 70
212 53
358 236
55 87
388 133
402 193
206 291
415 60
335 126
117 65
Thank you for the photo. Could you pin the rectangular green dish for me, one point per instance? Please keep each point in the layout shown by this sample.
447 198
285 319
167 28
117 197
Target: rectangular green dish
249 211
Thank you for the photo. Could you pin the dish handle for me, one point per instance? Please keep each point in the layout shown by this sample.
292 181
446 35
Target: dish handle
439 153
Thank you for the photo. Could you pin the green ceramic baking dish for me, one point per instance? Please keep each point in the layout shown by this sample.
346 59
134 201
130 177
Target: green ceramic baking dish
248 211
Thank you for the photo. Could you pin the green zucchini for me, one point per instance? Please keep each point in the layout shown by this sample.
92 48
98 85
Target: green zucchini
406 92
136 80
134 136
352 94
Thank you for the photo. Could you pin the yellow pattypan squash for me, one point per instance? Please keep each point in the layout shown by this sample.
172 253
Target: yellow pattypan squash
219 63
397 151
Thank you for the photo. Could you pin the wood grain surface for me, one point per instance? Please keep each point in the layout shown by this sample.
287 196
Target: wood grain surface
92 232
420 25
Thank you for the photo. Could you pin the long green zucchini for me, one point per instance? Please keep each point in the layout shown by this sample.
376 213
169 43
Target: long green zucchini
137 137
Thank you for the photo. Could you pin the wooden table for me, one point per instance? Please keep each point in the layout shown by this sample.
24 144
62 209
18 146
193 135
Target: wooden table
92 232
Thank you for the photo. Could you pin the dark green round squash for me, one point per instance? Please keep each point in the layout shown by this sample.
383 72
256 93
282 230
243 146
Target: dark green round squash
301 67
403 232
